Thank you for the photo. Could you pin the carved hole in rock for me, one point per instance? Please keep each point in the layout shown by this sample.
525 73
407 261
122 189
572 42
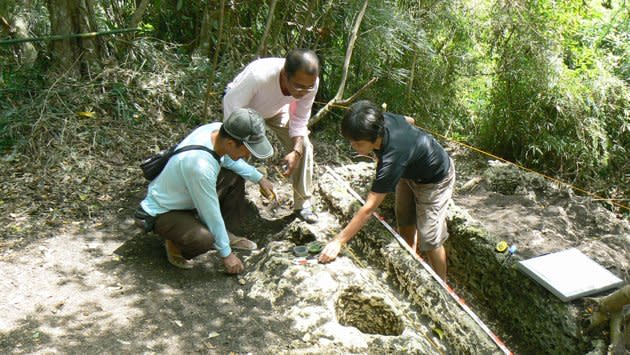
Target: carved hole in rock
368 313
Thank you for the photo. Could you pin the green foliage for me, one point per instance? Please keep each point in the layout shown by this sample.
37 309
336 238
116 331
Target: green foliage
553 103
39 111
145 28
542 82
176 23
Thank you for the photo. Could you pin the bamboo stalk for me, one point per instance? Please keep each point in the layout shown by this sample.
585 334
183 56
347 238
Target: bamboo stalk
619 324
68 36
215 62
349 50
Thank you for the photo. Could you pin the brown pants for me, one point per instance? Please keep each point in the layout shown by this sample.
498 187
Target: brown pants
302 176
188 232
426 206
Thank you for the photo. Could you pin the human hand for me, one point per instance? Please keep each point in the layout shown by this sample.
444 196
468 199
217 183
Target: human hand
330 252
291 161
233 264
266 188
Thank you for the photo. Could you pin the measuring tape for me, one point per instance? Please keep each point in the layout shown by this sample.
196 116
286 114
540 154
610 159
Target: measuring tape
427 267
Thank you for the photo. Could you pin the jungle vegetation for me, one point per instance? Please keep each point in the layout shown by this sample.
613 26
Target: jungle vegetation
542 83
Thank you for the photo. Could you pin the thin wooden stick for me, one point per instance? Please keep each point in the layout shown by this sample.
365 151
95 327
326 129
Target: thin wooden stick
359 92
262 46
344 73
349 50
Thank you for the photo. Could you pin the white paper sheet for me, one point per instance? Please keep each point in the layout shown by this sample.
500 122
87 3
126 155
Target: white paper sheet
569 274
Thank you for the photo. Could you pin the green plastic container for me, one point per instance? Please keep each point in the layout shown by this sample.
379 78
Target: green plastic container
300 250
314 247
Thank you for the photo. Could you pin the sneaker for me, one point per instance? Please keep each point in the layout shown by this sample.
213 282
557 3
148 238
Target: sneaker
175 257
307 215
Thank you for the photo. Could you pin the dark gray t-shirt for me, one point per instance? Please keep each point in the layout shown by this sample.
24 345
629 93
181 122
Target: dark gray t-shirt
410 153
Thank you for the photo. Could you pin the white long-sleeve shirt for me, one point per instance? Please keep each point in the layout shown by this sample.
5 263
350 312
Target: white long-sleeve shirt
189 181
258 87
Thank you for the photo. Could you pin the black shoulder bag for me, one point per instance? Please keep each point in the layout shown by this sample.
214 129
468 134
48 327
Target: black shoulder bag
153 165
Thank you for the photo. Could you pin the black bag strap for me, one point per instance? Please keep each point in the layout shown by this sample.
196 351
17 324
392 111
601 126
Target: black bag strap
197 147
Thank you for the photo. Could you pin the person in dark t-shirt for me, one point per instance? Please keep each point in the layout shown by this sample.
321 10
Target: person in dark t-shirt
412 164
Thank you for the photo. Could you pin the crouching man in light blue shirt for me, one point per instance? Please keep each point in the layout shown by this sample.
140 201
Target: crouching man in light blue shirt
187 199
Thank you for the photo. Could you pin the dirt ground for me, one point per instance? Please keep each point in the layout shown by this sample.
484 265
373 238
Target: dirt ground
539 216
107 288
95 284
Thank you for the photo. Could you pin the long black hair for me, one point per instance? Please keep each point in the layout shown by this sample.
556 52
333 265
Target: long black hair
362 122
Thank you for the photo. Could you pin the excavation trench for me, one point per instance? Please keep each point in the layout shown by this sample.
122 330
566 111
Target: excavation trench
522 313
400 271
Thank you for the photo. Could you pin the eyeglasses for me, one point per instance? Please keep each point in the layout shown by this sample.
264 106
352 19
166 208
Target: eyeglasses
301 88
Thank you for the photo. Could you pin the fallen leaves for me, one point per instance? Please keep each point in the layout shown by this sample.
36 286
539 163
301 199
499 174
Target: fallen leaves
88 114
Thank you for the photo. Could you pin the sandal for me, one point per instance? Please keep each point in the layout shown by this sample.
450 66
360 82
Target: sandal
175 257
241 243
307 215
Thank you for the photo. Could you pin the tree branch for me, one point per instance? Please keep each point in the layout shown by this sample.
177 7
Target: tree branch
359 92
608 305
5 24
262 47
346 63
344 74
69 36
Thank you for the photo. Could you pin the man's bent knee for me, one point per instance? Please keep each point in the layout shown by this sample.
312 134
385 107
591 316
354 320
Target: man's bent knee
199 242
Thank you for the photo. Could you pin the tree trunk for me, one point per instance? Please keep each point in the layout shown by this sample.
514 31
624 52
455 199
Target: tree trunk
137 15
73 56
606 306
620 331
18 29
28 52
97 50
204 32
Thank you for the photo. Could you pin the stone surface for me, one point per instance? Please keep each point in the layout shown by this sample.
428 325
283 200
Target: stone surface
336 306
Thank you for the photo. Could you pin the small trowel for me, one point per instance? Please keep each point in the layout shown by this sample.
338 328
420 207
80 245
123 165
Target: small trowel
273 200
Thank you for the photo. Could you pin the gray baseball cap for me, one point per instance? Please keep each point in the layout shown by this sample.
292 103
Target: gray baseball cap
248 126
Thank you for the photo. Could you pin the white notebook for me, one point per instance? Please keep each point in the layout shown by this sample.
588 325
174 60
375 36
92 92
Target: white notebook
569 274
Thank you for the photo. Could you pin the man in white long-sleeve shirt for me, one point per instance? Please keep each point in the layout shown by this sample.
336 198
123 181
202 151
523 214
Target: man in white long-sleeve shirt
189 198
282 90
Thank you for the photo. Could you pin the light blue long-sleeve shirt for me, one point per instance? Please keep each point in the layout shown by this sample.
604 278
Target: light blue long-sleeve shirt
189 181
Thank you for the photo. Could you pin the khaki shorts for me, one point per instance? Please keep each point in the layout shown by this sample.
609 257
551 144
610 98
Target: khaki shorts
425 205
